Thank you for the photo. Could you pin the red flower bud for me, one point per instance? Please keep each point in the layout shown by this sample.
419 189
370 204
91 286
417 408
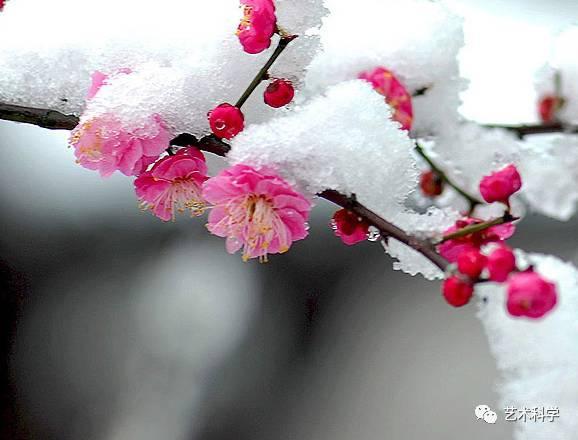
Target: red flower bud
530 295
471 263
226 121
395 93
431 183
279 93
501 262
349 227
456 291
500 185
548 108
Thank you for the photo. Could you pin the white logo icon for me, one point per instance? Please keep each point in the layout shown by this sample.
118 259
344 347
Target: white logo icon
484 413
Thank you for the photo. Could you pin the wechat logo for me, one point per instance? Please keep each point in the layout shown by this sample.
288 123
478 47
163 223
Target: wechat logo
484 412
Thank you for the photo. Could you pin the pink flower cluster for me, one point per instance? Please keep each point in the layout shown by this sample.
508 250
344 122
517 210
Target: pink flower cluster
528 294
395 93
254 209
257 26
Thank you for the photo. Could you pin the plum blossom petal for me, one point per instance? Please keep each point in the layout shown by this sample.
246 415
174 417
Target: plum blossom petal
396 95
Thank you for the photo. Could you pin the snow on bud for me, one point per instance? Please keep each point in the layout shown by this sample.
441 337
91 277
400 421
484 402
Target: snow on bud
257 25
501 262
99 79
102 144
2 3
431 183
396 95
471 263
451 249
279 93
174 184
500 185
548 108
226 121
349 227
457 291
255 210
530 295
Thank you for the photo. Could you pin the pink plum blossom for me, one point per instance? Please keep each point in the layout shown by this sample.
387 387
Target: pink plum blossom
395 93
174 184
255 210
451 249
257 25
530 295
500 185
102 144
349 227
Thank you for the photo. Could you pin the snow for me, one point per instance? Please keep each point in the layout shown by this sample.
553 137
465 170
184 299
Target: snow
563 60
538 359
342 140
434 221
417 40
549 169
185 59
468 152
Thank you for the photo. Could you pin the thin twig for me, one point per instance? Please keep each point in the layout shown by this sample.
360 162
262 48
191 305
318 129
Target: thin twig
217 146
263 74
479 227
473 201
529 129
386 228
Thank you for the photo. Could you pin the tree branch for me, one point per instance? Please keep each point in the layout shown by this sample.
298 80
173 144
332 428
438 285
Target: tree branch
471 199
263 74
529 129
44 118
55 120
386 228
479 227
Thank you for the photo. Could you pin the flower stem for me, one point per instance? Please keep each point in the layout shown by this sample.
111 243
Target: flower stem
263 73
473 201
479 227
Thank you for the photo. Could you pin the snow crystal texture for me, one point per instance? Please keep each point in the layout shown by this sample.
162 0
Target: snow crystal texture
344 141
417 40
538 359
185 59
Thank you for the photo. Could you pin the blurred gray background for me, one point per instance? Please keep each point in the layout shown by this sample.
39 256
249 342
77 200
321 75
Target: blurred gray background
117 326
